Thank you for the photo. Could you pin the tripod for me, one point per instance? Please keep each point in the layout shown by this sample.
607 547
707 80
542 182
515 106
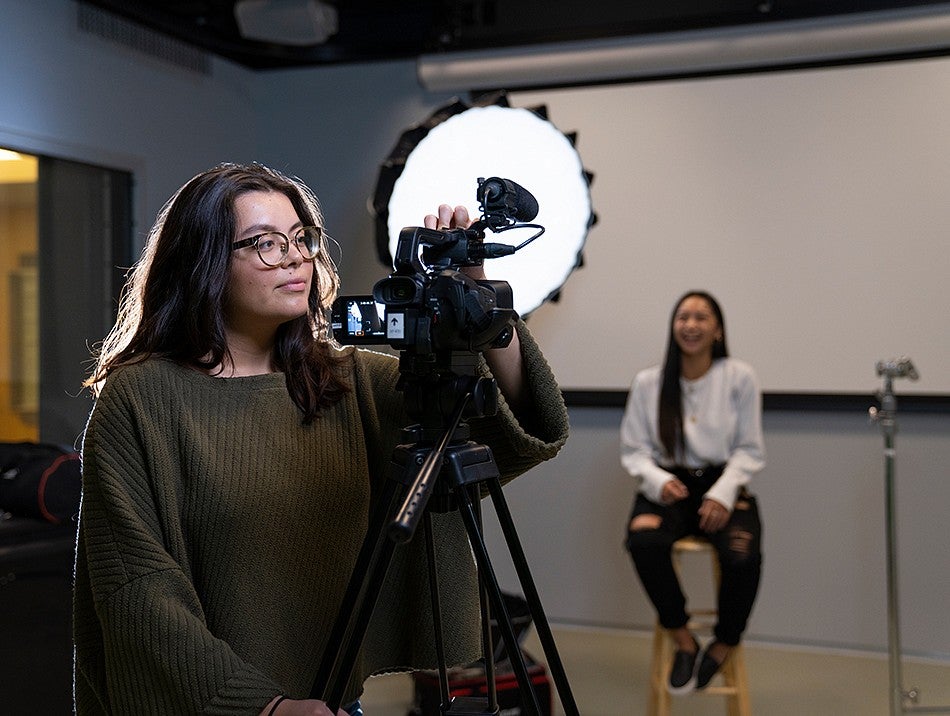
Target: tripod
440 458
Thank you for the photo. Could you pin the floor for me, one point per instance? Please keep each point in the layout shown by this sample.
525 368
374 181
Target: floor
607 671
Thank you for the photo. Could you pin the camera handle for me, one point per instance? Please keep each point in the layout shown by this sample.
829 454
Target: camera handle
460 465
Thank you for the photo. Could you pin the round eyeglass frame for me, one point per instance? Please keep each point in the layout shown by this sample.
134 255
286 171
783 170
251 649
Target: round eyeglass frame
284 244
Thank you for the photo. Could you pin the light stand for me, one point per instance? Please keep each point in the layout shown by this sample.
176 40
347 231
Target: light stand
886 417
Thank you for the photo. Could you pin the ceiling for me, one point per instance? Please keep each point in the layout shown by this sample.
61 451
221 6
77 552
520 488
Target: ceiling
370 30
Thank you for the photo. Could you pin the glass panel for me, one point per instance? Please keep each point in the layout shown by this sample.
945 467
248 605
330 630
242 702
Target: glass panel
19 298
84 227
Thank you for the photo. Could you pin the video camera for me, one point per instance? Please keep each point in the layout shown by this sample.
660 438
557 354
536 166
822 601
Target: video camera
427 305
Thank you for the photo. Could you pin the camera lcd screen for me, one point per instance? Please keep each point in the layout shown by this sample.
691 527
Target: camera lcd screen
358 319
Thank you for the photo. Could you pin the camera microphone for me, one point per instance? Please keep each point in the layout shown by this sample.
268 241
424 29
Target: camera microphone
499 195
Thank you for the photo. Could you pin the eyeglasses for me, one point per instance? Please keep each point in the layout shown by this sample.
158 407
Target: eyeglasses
273 246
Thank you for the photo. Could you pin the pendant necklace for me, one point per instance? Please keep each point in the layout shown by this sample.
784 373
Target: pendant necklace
692 401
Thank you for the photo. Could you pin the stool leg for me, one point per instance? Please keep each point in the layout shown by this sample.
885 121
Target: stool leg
735 686
739 703
659 697
729 689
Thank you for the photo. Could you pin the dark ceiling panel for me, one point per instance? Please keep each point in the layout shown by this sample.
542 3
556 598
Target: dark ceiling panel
393 29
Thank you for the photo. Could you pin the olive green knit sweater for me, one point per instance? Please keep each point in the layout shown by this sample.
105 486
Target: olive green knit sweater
218 533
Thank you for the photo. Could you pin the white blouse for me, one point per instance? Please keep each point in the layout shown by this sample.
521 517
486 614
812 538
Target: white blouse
722 419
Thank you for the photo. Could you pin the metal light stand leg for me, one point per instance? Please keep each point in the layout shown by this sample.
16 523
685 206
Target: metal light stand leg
886 417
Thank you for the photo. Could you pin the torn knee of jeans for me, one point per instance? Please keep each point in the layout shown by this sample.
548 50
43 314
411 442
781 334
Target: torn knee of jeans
740 544
645 522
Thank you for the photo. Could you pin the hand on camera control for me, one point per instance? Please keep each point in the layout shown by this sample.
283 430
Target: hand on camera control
457 218
505 363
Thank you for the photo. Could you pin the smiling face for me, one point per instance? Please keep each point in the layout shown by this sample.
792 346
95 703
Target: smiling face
696 328
260 297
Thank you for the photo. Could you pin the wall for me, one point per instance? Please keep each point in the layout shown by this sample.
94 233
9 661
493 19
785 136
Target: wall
72 94
66 93
353 118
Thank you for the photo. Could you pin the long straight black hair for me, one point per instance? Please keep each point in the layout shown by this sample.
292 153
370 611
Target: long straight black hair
173 303
670 408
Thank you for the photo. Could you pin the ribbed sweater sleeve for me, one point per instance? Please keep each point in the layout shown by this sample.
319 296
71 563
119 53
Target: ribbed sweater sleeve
143 614
521 442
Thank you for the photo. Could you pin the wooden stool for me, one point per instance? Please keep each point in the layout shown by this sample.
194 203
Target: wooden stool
732 675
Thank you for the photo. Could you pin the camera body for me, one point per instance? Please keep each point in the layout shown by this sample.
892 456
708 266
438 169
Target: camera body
428 305
427 311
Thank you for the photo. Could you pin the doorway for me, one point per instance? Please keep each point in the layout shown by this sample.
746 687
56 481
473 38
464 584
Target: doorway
65 243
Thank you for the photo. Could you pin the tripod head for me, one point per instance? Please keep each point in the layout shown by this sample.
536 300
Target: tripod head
885 415
440 390
433 385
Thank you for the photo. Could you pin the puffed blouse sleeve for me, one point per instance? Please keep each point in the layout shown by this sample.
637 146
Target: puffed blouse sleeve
747 454
638 440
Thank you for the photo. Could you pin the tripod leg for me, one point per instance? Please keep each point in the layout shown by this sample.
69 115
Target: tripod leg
488 578
533 599
488 648
351 623
436 608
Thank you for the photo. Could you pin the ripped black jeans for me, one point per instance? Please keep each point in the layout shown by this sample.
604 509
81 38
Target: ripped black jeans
738 544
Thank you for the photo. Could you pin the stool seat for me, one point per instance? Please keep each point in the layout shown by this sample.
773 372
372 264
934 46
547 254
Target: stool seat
731 680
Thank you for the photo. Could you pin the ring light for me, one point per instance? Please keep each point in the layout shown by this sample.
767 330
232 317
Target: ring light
440 160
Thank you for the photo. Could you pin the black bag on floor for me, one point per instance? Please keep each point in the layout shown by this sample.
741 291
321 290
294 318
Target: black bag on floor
40 480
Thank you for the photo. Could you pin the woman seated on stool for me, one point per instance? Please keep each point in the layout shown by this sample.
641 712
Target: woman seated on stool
692 435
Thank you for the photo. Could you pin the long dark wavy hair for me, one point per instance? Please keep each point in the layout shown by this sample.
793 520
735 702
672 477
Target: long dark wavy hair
172 305
670 415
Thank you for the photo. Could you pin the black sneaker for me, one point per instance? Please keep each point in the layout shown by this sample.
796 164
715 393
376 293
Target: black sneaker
682 674
708 668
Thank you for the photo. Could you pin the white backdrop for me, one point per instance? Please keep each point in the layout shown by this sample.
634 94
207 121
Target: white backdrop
813 204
